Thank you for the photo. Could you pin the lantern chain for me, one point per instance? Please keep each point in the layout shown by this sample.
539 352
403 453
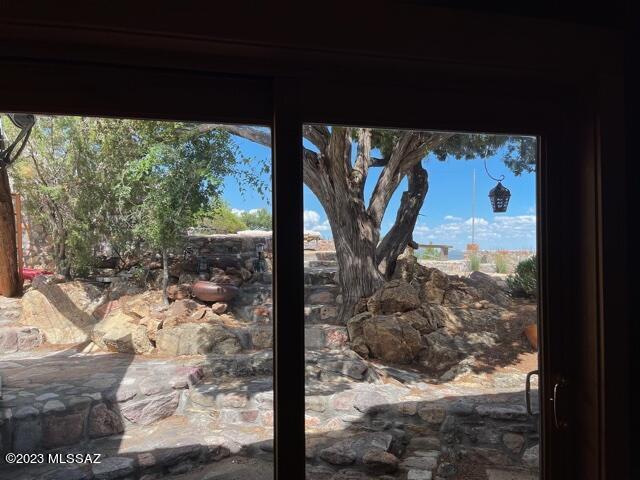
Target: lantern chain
491 176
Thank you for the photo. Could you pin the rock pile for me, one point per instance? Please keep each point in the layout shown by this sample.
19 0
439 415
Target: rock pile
423 316
128 319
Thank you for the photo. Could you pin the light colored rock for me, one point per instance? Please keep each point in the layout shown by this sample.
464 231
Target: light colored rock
148 410
414 474
62 312
46 396
53 406
120 332
152 324
530 457
141 305
219 308
422 463
194 338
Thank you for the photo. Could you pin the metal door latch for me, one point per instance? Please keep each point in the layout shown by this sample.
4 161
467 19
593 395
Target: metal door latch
559 423
527 390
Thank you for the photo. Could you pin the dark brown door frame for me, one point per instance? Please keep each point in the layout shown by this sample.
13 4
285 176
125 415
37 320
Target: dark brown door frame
574 161
491 105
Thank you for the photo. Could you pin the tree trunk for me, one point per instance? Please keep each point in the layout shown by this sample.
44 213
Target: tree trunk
10 285
165 276
60 252
355 239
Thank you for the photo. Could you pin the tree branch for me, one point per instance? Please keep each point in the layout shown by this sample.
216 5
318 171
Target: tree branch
339 156
410 149
319 135
253 134
363 160
396 239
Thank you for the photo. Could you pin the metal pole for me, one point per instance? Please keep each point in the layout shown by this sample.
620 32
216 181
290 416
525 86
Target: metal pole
473 209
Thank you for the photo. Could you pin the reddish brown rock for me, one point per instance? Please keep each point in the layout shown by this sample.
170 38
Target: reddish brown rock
103 422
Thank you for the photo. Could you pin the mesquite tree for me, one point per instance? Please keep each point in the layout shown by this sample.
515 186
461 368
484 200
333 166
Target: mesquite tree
337 177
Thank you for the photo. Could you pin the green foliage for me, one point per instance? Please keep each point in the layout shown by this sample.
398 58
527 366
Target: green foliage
223 220
474 263
501 263
524 282
259 219
429 254
90 181
518 152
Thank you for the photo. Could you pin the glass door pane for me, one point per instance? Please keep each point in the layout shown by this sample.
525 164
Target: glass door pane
421 304
135 315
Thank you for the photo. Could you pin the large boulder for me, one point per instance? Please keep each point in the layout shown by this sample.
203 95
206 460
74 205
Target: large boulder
488 288
421 320
120 332
391 338
62 312
442 351
141 305
196 338
188 311
394 296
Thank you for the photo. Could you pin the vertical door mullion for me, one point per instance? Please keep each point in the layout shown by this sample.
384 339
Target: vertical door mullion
288 287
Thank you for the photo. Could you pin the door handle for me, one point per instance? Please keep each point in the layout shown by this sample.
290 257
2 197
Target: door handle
560 424
527 390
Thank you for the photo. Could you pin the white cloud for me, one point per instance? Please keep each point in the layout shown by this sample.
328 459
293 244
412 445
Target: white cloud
452 218
500 232
312 221
479 221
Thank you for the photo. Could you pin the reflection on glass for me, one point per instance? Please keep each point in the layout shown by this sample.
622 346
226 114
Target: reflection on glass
420 304
142 336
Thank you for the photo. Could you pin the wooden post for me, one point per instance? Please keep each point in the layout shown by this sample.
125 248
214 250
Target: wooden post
17 201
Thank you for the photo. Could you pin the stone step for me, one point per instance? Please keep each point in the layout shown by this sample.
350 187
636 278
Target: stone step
320 313
19 339
242 365
321 294
322 264
321 276
70 399
322 255
323 335
174 446
248 402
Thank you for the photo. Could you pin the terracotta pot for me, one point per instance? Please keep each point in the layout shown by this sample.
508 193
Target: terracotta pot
531 332
213 292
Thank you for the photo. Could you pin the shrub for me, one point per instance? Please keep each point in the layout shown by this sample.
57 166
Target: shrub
501 263
524 282
474 263
429 254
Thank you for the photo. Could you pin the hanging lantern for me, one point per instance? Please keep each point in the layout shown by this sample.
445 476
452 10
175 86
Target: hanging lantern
499 196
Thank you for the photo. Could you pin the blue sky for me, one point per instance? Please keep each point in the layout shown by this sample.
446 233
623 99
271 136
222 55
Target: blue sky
446 213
